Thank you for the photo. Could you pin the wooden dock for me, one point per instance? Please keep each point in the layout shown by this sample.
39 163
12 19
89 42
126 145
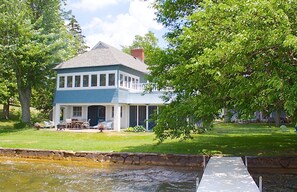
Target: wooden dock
226 174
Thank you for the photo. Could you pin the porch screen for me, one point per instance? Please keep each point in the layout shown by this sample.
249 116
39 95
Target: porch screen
151 111
142 115
133 116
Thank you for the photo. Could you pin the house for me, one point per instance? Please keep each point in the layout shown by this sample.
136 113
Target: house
105 84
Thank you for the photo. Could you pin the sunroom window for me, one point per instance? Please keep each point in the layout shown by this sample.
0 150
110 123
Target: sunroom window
102 79
69 81
77 81
86 81
94 80
61 82
111 79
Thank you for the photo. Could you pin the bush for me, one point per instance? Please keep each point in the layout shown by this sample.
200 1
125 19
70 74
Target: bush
129 129
138 128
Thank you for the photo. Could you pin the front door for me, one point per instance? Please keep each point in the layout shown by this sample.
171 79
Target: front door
96 114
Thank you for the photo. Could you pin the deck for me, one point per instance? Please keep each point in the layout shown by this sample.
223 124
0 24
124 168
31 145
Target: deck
226 174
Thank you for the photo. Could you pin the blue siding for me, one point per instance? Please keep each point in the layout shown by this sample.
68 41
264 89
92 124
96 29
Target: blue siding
88 69
87 96
141 75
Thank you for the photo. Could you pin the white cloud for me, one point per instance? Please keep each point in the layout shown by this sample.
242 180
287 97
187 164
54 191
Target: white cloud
92 5
122 28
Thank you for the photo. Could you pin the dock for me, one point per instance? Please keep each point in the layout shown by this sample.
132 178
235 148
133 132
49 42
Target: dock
226 174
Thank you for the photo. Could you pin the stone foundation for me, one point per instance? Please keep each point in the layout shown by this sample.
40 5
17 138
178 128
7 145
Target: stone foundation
113 158
143 158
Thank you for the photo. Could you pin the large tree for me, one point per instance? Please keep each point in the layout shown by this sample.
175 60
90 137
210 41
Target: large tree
235 54
149 42
33 38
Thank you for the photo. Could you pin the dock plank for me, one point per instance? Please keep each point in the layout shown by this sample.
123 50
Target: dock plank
226 174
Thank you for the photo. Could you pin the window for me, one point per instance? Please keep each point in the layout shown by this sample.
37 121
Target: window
129 82
102 79
61 82
133 83
86 81
111 79
125 82
77 111
69 81
94 80
121 80
77 81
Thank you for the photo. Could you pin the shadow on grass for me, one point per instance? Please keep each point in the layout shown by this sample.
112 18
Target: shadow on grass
7 126
276 144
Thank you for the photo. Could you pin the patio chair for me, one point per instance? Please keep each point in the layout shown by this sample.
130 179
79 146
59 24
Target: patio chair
68 123
48 124
86 124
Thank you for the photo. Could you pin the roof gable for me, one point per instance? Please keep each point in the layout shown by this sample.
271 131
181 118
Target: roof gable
104 55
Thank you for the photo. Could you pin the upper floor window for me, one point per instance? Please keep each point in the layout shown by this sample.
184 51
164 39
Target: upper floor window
94 80
62 82
128 81
77 81
102 79
111 79
121 80
69 81
86 81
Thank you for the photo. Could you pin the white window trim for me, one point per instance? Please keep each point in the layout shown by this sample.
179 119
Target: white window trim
90 76
128 75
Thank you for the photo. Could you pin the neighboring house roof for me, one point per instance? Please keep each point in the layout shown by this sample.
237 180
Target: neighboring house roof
104 55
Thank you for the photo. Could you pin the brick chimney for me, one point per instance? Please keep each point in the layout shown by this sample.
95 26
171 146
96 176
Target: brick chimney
138 53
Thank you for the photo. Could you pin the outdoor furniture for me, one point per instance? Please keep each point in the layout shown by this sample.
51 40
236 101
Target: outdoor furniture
77 124
86 124
48 124
68 123
105 125
61 127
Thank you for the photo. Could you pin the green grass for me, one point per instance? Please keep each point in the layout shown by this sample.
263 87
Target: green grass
225 139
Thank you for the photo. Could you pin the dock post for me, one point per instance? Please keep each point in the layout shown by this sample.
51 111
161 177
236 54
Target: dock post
197 183
260 183
204 164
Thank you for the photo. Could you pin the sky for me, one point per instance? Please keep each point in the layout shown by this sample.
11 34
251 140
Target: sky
115 22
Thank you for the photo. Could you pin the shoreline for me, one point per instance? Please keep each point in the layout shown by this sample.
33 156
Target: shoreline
155 159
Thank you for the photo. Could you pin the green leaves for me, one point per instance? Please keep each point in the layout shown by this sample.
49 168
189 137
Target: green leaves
238 55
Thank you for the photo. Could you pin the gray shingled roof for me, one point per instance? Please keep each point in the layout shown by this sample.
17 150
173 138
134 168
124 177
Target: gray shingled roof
104 55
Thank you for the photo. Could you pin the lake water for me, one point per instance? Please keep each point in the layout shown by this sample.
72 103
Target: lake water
48 176
35 175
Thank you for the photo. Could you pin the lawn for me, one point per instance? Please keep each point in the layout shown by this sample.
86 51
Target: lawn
225 139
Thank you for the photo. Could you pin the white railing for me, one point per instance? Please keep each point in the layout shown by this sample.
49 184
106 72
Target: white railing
140 87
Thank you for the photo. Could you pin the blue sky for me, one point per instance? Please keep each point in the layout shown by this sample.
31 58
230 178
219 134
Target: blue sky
115 22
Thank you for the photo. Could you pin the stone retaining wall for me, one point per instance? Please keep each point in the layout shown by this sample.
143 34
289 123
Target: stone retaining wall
143 158
114 158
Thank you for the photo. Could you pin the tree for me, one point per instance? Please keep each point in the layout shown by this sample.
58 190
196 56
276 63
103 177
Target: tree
33 38
173 14
149 42
42 97
235 54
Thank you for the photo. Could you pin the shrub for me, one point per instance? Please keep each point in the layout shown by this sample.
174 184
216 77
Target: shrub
129 129
138 128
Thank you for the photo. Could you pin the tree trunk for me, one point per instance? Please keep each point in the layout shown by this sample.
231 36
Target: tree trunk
25 99
6 110
277 118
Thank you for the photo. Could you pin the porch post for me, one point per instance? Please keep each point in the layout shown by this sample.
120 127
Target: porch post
56 118
147 118
117 117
